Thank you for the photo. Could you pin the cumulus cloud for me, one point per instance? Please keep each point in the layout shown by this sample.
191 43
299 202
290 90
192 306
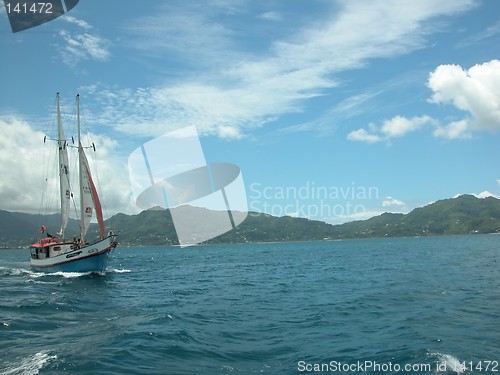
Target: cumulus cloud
391 202
362 215
475 91
20 165
395 127
481 195
486 194
454 130
364 135
398 126
24 169
229 132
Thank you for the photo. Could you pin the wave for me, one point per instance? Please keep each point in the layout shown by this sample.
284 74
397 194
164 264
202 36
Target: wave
66 275
30 365
115 270
13 271
448 362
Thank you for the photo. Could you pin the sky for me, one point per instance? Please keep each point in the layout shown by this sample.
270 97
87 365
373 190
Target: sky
333 110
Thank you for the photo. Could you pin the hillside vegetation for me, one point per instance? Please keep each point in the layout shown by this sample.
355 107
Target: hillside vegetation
465 214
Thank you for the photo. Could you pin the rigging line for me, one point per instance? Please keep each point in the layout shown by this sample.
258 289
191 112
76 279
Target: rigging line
43 183
43 208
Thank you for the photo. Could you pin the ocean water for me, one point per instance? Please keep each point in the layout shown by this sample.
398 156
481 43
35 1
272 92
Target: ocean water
380 306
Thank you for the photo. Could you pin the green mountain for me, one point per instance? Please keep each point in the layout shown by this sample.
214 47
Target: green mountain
462 215
151 227
155 227
19 229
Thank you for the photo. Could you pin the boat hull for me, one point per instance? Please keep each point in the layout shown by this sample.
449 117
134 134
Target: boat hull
91 258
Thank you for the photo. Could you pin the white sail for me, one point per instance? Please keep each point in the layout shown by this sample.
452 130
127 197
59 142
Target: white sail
88 193
90 199
87 204
63 172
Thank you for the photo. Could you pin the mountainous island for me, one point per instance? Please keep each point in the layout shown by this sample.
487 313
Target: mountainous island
465 214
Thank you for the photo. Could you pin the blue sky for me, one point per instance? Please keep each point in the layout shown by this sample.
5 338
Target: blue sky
334 110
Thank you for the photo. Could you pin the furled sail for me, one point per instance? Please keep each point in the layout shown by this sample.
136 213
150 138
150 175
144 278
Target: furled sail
63 172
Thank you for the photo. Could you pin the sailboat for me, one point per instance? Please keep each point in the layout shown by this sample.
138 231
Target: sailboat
58 253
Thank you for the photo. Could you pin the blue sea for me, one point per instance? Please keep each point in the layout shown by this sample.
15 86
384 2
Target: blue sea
378 306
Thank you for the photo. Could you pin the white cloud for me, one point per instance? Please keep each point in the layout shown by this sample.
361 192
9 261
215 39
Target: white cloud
81 23
359 32
454 130
390 202
485 34
362 215
24 169
328 122
364 136
475 91
229 132
481 195
20 165
223 84
486 194
155 111
271 16
399 126
395 127
84 45
183 33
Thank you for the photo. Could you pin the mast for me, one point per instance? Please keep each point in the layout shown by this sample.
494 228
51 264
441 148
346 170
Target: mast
63 171
82 189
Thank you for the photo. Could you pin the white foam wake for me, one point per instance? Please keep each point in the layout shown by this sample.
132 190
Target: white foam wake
448 362
30 365
115 270
67 275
